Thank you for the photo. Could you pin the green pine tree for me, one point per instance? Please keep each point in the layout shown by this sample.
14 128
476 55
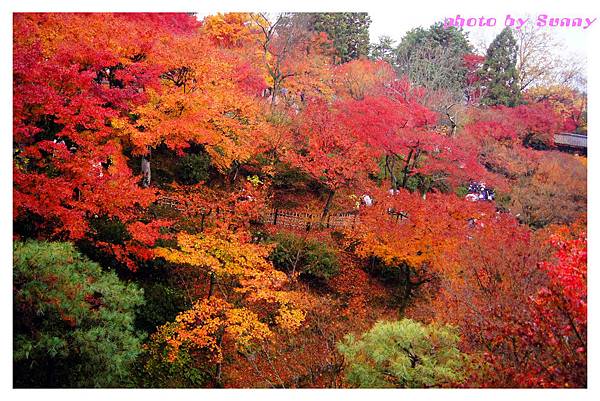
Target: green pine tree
404 354
499 73
349 33
73 323
384 50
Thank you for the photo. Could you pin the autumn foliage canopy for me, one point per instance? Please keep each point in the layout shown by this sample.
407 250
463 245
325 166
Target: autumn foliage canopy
286 214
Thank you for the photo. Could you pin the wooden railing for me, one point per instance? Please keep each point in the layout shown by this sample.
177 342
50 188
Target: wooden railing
571 139
298 220
308 221
170 202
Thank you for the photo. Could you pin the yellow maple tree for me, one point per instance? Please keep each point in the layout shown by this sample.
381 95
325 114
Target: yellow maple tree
247 298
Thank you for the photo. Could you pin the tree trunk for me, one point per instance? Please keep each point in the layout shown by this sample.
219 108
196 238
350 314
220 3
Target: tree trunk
451 119
406 169
452 125
327 205
276 85
204 215
296 261
236 169
415 159
390 168
386 168
406 291
426 188
219 382
146 170
213 282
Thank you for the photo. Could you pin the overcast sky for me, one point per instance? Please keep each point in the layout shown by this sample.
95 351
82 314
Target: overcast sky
395 20
396 24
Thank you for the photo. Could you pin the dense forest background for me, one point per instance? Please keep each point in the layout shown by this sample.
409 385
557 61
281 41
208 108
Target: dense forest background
254 200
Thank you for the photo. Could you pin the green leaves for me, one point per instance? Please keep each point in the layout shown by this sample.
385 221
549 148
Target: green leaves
405 354
73 319
434 58
499 73
349 33
307 257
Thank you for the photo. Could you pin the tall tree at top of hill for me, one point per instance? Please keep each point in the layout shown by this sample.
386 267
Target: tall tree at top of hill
499 73
384 49
433 58
349 33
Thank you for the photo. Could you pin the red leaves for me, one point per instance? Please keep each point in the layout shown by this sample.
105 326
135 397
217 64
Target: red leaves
327 150
569 104
568 282
432 228
92 93
473 63
74 73
532 325
146 234
89 87
388 124
540 122
530 123
492 129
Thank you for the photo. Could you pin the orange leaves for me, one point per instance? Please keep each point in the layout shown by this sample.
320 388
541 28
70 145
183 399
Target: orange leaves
360 78
431 228
197 330
200 328
294 60
200 102
230 29
228 255
552 192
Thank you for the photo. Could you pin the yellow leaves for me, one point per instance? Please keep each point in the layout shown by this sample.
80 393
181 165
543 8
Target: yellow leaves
246 265
229 30
222 253
118 123
196 329
195 251
245 326
290 319
201 329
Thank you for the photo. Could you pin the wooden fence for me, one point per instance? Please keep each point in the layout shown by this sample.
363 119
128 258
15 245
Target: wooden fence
170 202
298 220
308 221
